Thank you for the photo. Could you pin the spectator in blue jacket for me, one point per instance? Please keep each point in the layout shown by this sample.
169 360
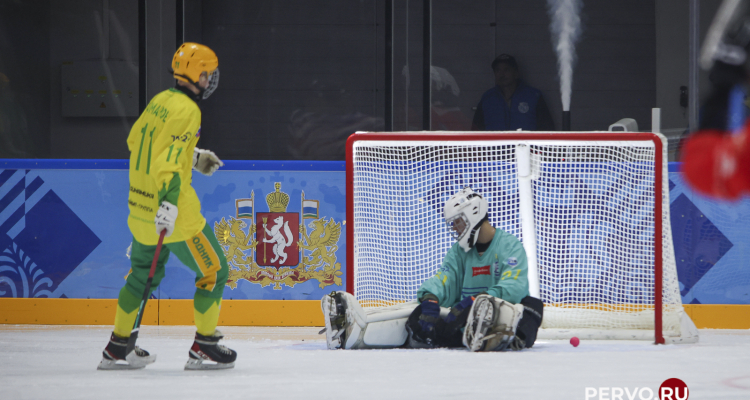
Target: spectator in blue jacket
511 104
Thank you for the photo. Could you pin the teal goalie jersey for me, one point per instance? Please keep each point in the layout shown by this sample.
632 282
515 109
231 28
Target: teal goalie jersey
500 271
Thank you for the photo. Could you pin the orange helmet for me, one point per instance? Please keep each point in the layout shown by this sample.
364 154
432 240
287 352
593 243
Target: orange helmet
191 60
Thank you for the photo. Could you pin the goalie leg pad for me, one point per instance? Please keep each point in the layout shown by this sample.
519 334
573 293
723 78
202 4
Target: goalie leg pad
491 324
348 326
384 334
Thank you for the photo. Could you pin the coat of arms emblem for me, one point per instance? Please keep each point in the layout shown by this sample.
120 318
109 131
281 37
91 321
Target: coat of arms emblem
277 248
277 240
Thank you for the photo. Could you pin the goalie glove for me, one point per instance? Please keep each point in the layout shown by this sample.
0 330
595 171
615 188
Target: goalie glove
459 308
205 161
456 319
421 325
165 218
430 315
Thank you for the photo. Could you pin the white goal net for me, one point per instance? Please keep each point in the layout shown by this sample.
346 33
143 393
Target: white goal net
591 209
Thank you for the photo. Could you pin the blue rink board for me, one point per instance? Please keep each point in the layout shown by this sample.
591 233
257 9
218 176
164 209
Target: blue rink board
63 230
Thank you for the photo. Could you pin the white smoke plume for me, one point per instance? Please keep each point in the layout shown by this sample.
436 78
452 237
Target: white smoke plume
565 26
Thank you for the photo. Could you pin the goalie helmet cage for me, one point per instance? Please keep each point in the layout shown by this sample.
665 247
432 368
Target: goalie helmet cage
591 209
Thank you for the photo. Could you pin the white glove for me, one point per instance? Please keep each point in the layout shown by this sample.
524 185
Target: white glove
165 218
206 162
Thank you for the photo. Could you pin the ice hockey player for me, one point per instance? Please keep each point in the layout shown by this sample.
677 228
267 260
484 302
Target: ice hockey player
479 298
716 159
162 155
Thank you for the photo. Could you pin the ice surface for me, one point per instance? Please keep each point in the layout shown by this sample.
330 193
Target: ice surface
59 362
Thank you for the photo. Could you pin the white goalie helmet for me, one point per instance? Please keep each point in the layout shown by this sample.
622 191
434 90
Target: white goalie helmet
464 213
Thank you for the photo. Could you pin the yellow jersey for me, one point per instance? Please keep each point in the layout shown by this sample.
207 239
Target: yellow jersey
161 145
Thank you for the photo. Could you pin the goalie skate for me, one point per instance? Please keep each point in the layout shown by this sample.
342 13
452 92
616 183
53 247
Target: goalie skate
345 321
207 348
334 313
113 356
491 325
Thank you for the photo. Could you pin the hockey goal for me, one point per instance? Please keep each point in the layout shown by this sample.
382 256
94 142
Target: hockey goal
591 209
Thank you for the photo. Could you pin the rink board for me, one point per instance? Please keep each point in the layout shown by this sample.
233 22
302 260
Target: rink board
63 234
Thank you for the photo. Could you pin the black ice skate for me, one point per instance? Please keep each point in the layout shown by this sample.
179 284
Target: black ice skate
207 348
114 357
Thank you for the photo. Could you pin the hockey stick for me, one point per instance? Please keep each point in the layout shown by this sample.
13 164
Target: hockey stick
137 325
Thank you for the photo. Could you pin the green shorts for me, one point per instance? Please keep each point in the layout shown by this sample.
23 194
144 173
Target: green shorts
202 254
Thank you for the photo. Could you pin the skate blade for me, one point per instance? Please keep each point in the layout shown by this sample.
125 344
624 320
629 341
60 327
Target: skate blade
111 365
197 364
140 362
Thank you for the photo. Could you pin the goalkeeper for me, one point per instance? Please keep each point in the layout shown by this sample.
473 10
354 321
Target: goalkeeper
162 155
479 298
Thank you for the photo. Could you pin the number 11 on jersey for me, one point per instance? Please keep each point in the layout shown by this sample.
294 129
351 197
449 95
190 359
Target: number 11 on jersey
140 151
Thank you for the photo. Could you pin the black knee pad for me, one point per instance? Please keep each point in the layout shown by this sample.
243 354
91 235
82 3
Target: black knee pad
418 338
449 331
528 326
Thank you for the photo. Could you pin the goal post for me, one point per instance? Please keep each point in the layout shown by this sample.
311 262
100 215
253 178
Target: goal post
591 209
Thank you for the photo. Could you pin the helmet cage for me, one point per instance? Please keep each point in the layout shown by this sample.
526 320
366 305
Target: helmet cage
458 225
213 83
